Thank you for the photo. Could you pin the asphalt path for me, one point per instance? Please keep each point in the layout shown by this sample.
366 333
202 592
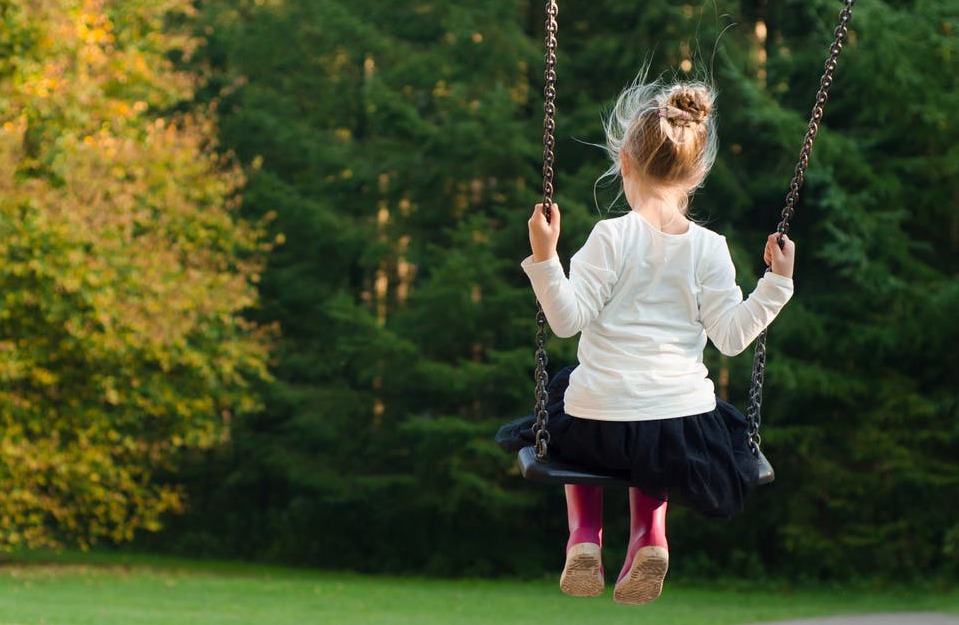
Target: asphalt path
903 618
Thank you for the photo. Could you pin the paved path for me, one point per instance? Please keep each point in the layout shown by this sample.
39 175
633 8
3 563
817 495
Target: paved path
904 618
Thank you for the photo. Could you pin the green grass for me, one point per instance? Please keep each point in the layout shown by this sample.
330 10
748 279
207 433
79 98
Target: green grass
125 590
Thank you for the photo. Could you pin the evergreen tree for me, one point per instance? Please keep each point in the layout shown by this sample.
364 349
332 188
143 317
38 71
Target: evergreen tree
879 437
860 420
398 146
394 145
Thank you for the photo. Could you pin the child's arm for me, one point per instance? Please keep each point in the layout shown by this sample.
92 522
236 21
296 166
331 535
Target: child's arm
732 323
570 303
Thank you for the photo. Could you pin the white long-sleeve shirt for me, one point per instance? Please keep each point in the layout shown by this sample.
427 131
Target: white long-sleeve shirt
645 302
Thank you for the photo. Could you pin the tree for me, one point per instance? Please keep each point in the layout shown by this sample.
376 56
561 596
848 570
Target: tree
860 420
125 272
882 433
398 144
395 153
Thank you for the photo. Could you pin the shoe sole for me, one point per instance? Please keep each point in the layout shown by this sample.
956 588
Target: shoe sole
644 580
583 574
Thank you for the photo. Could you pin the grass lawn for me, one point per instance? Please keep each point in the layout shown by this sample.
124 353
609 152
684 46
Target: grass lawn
126 590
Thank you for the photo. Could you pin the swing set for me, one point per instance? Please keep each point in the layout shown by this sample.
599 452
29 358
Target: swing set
534 461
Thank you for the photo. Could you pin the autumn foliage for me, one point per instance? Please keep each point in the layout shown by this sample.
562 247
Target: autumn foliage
124 270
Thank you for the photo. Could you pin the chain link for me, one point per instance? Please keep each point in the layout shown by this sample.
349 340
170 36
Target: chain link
549 156
753 411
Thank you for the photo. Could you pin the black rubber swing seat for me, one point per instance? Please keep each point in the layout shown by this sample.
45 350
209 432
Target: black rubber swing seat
550 471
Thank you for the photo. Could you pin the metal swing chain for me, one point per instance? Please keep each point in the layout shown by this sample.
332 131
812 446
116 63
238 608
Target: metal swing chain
549 144
753 414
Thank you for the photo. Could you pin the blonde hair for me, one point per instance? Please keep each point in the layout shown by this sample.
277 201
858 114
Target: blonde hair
666 132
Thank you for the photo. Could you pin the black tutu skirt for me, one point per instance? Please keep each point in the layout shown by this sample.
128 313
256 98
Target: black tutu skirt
700 461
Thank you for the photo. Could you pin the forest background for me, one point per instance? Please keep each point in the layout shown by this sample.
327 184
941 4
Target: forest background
261 297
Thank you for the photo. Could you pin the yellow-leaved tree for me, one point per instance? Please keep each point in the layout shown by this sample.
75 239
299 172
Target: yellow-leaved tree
124 270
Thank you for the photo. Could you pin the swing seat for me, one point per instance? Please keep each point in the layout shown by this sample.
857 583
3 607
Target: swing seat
550 471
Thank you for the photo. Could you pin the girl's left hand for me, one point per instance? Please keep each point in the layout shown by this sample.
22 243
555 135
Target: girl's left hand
780 260
544 235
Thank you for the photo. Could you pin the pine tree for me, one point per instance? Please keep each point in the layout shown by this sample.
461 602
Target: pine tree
392 144
398 146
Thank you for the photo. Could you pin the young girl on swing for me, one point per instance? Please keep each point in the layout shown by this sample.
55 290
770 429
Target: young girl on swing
645 291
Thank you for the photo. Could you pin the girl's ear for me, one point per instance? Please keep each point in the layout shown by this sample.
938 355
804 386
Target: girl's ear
624 164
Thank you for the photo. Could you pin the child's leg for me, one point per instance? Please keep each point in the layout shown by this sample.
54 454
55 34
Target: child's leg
583 574
647 558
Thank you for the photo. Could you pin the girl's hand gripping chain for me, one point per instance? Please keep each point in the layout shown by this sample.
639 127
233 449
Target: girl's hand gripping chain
543 234
780 259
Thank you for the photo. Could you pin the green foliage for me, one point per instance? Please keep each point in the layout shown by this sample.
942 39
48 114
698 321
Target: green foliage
393 153
884 456
397 145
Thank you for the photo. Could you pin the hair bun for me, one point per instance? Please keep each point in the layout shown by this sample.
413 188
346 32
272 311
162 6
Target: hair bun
687 105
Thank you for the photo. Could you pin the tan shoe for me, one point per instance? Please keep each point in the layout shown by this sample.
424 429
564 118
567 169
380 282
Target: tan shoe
642 582
583 574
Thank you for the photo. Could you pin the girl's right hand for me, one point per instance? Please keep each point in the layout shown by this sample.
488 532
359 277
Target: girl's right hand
544 235
781 260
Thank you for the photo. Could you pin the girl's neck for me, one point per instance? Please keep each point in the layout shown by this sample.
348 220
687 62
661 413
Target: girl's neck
662 211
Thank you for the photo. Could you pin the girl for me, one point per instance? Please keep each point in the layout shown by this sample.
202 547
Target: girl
645 292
